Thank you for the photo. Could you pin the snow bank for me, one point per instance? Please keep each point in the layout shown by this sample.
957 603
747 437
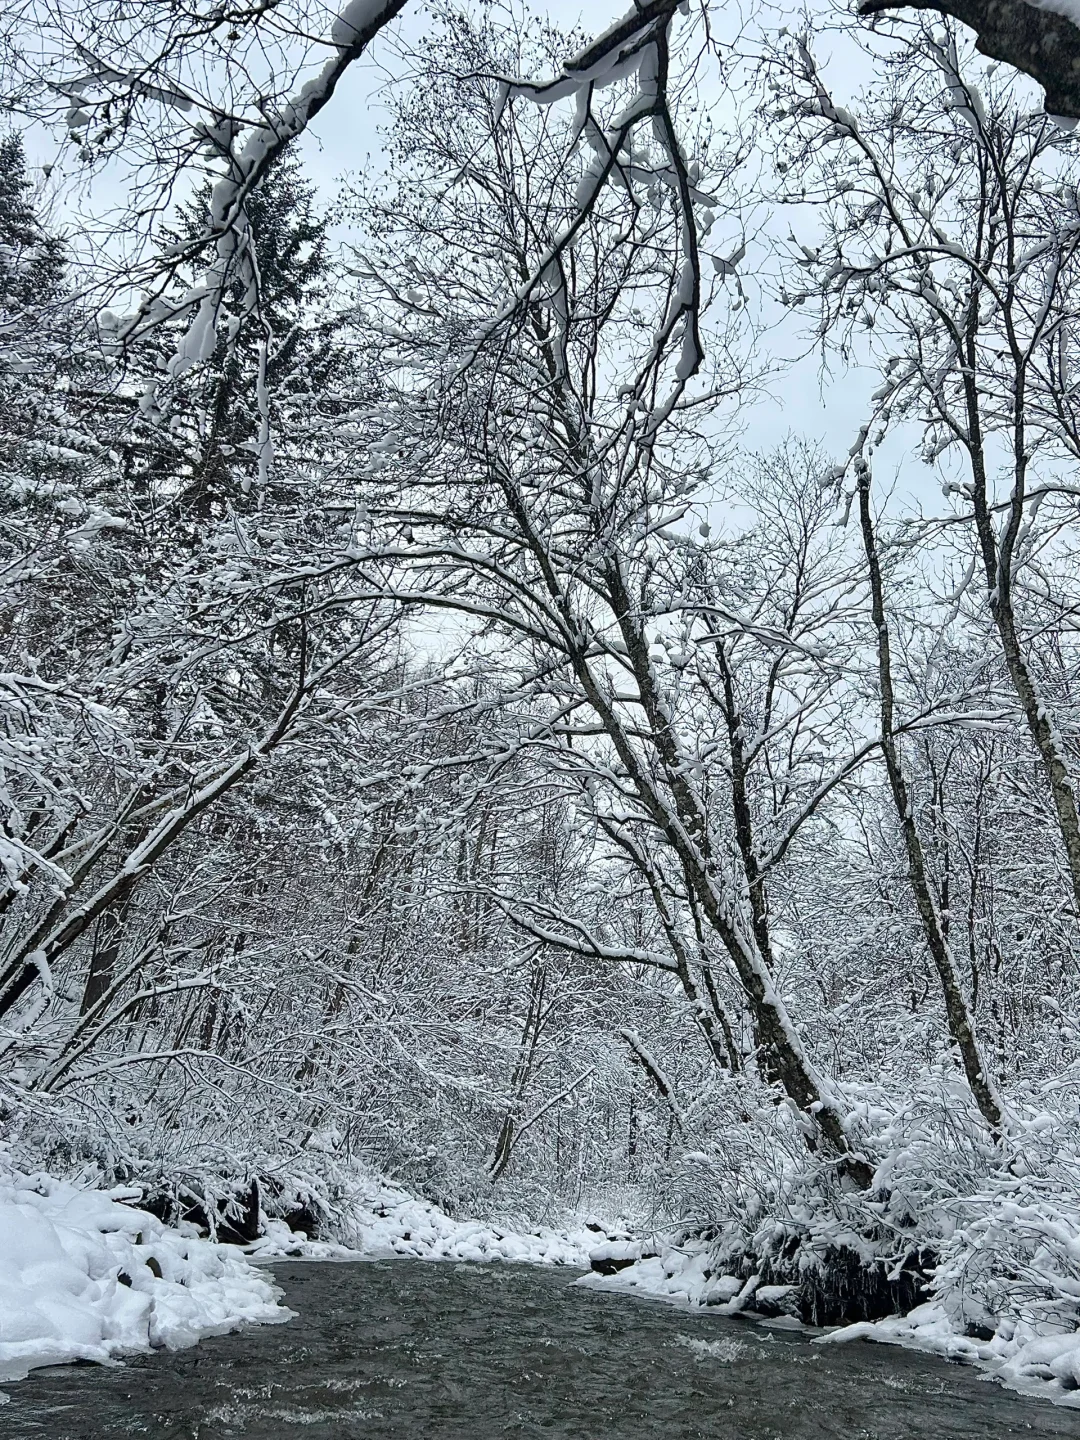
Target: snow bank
85 1277
381 1221
661 1270
1022 1355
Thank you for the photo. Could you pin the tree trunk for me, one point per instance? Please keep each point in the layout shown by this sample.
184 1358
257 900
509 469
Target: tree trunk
959 1017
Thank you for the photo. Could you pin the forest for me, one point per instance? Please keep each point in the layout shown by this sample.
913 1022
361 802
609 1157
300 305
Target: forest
467 720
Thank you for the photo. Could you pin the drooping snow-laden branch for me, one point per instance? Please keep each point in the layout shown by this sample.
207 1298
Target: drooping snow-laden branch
247 159
635 50
245 138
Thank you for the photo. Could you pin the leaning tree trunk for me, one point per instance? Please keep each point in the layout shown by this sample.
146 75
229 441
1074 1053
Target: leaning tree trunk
958 1014
997 561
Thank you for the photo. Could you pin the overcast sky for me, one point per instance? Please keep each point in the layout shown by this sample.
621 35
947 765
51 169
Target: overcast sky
805 400
345 138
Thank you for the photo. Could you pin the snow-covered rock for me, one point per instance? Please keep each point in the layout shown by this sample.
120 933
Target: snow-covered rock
380 1221
615 1255
681 1274
84 1276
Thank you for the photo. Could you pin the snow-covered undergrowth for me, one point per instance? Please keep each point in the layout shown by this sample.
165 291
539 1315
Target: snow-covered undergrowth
84 1276
1006 1290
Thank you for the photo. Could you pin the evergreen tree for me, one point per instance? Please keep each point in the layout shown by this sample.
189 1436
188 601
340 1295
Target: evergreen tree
45 449
217 412
31 260
34 339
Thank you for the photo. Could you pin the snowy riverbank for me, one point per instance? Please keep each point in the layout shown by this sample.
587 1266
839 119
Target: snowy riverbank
381 1221
684 1275
1023 1355
1026 1347
84 1276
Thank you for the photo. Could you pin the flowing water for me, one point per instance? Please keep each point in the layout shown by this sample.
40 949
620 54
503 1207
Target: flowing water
470 1352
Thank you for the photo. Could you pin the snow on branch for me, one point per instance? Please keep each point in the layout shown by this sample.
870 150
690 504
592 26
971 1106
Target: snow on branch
636 49
247 150
1039 37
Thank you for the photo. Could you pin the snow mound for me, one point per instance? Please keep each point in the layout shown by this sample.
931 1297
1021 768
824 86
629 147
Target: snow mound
382 1221
86 1277
680 1274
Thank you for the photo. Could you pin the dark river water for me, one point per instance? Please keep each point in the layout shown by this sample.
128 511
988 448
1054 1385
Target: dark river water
469 1352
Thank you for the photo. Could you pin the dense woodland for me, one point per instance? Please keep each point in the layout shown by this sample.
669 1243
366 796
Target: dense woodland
432 740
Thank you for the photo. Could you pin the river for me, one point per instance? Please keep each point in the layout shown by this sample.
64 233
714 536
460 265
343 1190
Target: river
420 1351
